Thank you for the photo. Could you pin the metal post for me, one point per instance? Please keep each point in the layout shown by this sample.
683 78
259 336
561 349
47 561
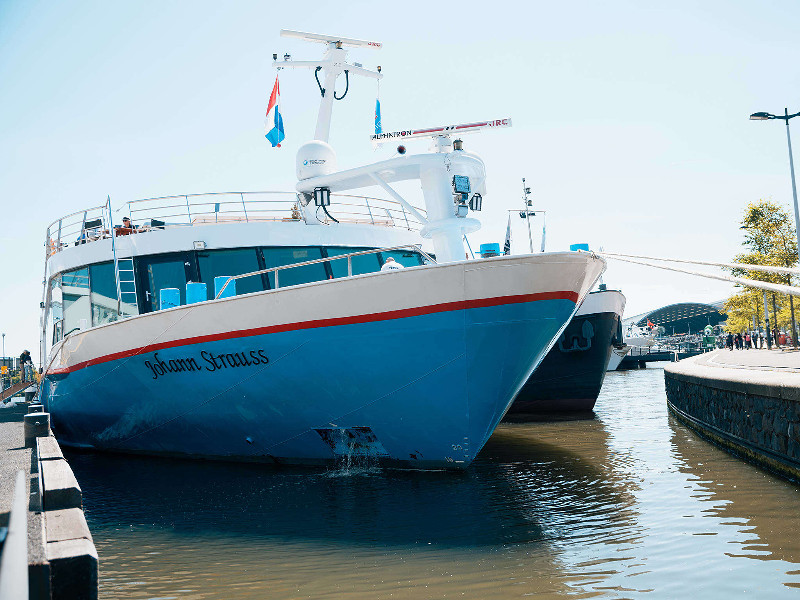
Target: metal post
244 208
796 218
371 218
349 266
114 253
188 212
766 320
277 285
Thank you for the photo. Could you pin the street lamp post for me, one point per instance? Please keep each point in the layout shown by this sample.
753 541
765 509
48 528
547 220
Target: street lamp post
765 116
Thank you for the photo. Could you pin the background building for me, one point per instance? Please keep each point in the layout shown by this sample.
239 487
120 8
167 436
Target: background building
685 317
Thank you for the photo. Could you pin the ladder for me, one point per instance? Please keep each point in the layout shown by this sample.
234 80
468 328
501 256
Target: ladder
123 273
126 281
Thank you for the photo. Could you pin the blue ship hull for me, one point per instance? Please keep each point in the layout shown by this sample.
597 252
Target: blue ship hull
422 391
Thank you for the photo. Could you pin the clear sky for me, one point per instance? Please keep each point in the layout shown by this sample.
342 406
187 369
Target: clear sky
630 118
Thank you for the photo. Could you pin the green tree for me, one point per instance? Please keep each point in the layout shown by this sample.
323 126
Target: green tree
769 240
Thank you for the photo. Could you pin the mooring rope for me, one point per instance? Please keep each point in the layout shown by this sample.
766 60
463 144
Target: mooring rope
745 266
762 285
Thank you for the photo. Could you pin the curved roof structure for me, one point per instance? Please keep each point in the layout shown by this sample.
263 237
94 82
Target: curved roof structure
683 317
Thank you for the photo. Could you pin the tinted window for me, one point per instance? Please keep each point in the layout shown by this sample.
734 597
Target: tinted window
276 257
218 263
366 263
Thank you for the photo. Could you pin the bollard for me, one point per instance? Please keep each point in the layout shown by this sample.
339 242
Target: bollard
35 408
36 425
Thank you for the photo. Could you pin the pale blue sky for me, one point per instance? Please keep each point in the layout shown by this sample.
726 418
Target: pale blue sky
630 118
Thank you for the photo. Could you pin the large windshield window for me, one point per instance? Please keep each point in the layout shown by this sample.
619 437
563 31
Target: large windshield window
227 263
276 257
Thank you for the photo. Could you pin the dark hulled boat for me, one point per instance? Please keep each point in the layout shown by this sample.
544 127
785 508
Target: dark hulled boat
571 375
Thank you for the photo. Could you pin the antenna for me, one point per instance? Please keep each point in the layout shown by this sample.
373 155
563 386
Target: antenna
332 64
442 133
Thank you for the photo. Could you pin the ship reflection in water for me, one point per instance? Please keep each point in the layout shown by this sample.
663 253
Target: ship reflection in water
627 504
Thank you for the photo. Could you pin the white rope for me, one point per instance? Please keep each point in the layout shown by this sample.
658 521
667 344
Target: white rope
748 267
762 285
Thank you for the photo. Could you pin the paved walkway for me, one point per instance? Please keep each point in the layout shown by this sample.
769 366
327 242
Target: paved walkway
13 455
782 361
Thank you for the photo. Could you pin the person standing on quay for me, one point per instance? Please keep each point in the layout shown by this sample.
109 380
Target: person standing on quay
26 366
729 341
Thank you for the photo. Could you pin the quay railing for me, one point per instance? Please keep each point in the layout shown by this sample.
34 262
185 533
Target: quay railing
14 556
349 257
184 210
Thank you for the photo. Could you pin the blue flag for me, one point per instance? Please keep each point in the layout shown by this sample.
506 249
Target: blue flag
378 128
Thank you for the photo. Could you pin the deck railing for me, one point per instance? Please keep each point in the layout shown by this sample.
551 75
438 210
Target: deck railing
349 257
223 207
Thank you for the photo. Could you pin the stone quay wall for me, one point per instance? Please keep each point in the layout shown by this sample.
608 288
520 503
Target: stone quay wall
755 414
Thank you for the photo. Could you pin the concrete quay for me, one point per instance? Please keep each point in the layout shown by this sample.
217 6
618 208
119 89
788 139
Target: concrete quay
746 401
60 557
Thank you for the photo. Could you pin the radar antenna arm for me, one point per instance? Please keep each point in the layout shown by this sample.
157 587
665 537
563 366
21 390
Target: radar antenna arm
300 64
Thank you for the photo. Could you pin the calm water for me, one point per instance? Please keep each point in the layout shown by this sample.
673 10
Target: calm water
627 505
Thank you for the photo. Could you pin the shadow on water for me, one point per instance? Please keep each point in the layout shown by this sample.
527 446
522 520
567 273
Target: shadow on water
520 490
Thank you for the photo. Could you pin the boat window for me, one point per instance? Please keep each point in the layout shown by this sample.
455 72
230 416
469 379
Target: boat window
276 257
56 309
217 263
366 263
75 300
103 286
161 273
407 258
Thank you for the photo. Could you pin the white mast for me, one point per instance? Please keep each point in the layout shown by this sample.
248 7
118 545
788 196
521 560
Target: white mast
453 181
333 64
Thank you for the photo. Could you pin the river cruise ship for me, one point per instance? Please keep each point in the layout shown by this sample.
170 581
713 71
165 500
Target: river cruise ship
280 327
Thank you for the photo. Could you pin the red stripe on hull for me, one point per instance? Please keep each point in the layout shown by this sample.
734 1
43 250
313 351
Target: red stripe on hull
366 318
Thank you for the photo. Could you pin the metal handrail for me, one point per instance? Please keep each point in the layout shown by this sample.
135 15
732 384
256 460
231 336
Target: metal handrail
199 209
349 257
77 212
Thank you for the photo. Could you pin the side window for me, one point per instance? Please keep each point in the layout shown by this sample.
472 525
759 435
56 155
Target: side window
103 286
75 300
366 263
56 309
217 263
407 258
276 257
